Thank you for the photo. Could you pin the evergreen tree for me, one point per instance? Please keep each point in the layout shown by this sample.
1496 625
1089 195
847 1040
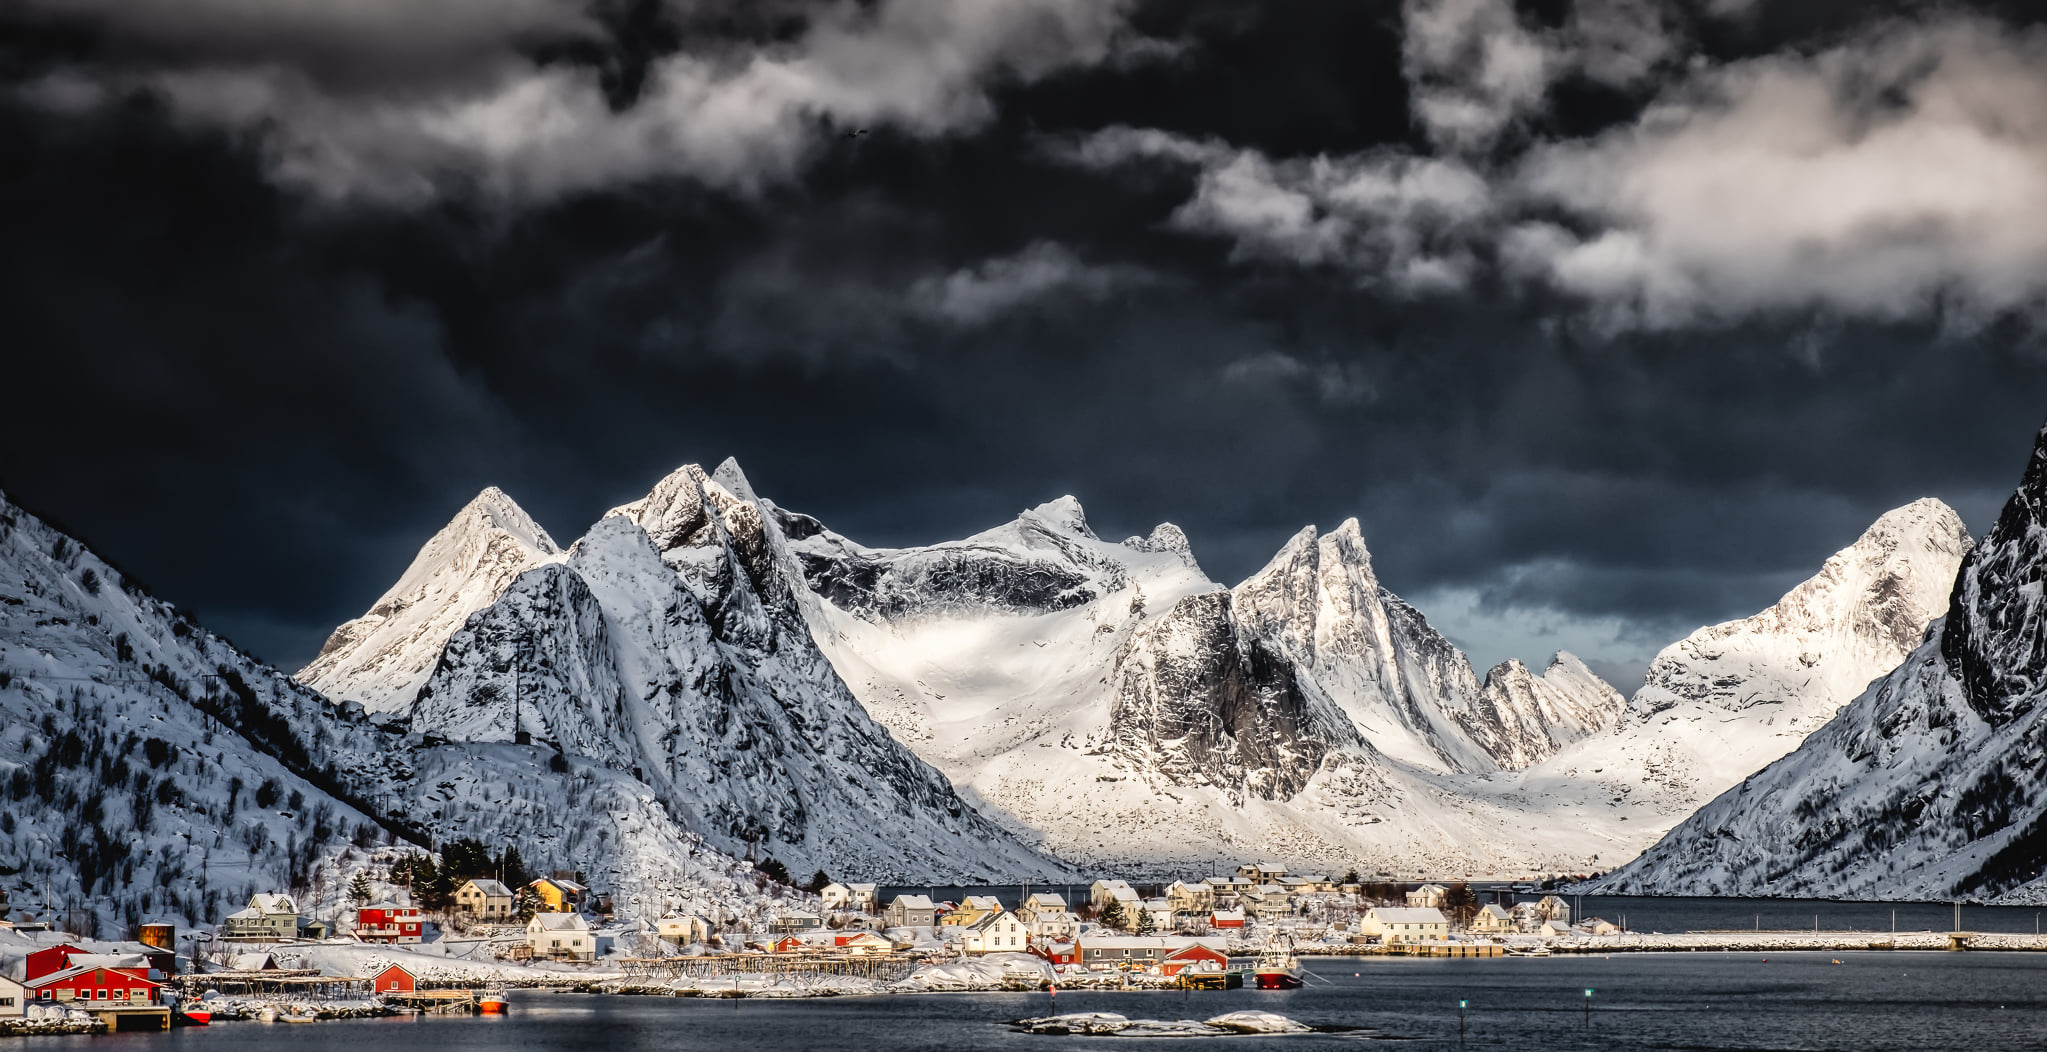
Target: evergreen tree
359 890
527 904
1145 925
1112 915
818 882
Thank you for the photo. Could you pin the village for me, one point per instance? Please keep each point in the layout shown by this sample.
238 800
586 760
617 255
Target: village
270 961
387 955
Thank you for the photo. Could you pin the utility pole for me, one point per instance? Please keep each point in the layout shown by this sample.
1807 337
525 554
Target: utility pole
1588 1008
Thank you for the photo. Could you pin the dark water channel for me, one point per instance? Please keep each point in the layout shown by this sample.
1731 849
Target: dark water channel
1869 1002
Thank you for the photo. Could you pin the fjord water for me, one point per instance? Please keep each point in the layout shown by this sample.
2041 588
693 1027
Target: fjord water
1869 1002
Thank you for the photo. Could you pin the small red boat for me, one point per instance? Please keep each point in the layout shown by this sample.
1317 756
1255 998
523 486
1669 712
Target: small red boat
191 1017
1278 970
491 1004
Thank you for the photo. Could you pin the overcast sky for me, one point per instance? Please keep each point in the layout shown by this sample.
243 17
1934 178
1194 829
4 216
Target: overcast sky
1607 318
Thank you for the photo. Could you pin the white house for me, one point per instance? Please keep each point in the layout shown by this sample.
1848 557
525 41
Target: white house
1427 897
1260 872
1550 907
13 998
857 897
1041 902
1494 919
1198 897
998 932
909 911
1051 926
1103 892
269 917
1161 911
561 936
485 900
682 930
1405 924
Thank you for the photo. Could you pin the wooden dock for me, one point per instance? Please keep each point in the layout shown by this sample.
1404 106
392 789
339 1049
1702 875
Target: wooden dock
881 967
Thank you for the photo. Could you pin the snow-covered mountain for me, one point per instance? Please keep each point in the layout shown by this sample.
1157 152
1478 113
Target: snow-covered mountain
152 769
670 643
1727 700
1114 701
1929 784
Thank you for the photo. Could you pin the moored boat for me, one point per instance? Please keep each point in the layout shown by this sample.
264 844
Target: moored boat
191 1017
1278 970
491 1004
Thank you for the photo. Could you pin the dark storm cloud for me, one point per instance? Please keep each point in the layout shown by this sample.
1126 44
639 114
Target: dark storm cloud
288 291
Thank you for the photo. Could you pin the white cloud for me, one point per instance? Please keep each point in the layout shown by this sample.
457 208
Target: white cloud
730 115
1398 219
1472 69
995 287
1899 174
1896 176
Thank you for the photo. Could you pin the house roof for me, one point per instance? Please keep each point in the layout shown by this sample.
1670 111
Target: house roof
74 972
1143 942
983 902
1045 899
563 883
273 902
251 962
387 906
1432 887
389 968
864 889
913 902
1495 910
1227 914
1406 915
558 922
491 887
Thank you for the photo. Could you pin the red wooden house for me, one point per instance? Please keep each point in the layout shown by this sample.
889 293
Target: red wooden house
388 922
49 961
1057 952
96 987
394 980
790 944
1226 919
1195 957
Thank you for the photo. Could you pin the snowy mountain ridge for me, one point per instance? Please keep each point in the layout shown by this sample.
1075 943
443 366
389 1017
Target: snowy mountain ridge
671 643
155 770
1929 784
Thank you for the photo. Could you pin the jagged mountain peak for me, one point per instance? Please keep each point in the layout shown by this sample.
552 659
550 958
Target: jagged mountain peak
1063 515
493 508
1993 634
379 659
729 475
1164 539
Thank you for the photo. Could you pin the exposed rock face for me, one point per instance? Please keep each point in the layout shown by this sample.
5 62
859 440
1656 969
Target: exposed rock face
1532 716
1927 785
381 658
1046 560
1201 705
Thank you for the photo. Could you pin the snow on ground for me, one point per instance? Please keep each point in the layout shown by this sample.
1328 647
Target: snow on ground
1110 1024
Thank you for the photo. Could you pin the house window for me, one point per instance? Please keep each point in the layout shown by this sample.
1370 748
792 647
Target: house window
6 1002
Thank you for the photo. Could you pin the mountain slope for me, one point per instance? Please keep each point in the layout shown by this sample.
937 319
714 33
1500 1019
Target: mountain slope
1111 699
669 644
152 768
377 658
1727 700
1927 785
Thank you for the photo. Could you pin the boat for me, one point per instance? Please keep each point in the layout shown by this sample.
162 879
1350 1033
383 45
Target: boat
1539 951
1278 970
268 1014
491 1003
295 1017
191 1017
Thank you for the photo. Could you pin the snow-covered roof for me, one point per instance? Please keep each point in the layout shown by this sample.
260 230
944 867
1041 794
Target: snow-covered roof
864 889
387 906
1494 910
1124 893
912 902
491 887
77 970
1046 900
1406 915
249 913
272 902
1145 942
563 883
1434 888
558 922
249 962
983 902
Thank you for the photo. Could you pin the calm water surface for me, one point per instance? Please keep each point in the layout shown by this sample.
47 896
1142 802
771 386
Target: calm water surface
1870 1002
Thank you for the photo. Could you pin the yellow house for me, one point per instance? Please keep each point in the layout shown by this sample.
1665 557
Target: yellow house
558 894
